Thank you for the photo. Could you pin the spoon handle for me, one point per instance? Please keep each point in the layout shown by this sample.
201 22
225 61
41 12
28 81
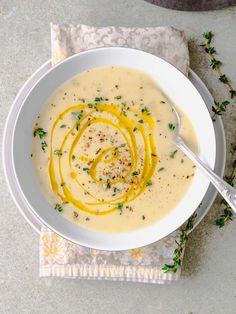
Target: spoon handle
225 189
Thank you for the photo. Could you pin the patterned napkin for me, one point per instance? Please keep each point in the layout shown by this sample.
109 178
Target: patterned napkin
61 258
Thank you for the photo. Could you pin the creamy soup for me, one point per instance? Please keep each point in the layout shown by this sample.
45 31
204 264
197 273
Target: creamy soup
103 151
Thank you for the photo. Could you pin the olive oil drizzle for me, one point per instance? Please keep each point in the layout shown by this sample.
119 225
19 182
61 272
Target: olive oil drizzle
126 123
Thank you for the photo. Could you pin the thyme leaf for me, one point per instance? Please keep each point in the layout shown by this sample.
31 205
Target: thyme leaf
171 126
149 183
172 154
145 110
97 99
120 206
40 132
223 79
58 207
208 36
219 108
215 63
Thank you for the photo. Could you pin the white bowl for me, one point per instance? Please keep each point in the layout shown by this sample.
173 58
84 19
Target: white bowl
178 88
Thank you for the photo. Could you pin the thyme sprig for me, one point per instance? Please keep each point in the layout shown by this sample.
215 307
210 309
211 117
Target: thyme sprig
227 214
178 252
220 107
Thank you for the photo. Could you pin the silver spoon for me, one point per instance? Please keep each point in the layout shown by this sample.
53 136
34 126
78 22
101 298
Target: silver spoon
225 189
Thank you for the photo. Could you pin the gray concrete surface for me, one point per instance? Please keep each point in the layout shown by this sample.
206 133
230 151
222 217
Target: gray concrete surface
208 283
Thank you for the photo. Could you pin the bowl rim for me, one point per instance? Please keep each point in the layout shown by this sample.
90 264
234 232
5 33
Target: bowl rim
78 241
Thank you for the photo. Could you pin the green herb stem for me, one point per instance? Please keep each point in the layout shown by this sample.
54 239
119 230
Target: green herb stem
215 64
178 252
219 109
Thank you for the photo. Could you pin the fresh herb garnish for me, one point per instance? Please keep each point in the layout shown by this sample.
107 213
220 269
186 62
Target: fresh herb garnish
90 105
215 63
40 132
135 129
227 214
143 217
154 155
223 79
161 169
78 115
73 157
97 99
162 102
134 173
149 183
117 97
225 217
145 110
63 126
232 93
208 36
97 152
210 50
122 145
86 169
140 121
120 206
178 252
58 152
219 109
44 145
171 126
172 154
58 207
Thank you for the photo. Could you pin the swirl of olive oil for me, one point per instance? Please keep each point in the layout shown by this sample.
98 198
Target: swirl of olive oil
126 124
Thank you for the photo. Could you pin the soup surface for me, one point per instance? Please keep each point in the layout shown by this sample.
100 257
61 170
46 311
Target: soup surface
103 151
